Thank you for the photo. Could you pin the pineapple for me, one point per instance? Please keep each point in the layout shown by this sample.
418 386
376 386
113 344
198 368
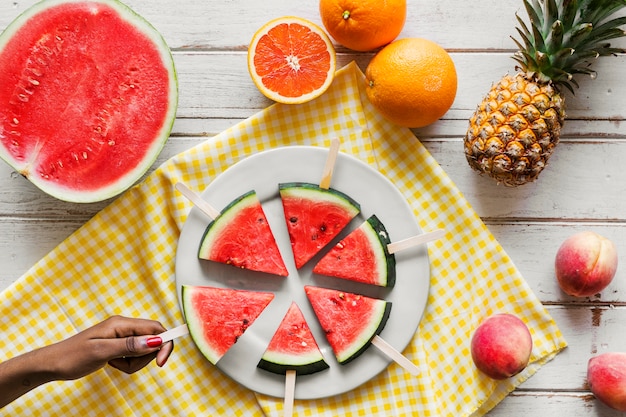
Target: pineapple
515 129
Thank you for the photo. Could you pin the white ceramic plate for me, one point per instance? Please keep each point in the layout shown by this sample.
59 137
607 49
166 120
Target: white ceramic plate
376 195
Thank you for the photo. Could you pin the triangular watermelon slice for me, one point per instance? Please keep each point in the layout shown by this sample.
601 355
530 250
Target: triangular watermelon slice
293 347
241 236
362 256
314 217
217 317
350 321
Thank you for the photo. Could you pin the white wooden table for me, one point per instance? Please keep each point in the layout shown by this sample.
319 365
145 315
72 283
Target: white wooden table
583 187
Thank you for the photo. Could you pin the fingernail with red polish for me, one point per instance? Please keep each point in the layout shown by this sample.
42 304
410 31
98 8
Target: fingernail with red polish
153 342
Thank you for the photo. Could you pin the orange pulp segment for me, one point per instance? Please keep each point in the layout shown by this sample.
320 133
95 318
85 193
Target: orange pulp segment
291 60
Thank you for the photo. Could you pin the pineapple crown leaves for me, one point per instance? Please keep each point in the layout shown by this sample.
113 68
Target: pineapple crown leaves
565 37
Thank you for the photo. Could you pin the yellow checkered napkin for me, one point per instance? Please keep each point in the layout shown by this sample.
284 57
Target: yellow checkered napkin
122 262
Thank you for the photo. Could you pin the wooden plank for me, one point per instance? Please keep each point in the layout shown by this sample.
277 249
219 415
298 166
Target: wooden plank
584 180
589 331
23 243
552 404
230 92
201 25
589 167
533 246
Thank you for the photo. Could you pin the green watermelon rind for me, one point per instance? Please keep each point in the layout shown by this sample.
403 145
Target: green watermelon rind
130 178
303 365
387 261
378 238
308 190
383 309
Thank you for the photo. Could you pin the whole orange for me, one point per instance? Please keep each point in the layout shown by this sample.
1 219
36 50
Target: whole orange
412 82
363 25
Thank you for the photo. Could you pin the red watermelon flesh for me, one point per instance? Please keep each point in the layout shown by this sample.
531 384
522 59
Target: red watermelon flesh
350 321
88 95
293 347
314 216
361 256
241 237
217 317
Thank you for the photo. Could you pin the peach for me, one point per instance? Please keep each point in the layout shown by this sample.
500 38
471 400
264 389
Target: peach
606 375
501 346
585 264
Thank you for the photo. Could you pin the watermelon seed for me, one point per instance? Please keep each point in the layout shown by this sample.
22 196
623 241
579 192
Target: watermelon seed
293 219
36 72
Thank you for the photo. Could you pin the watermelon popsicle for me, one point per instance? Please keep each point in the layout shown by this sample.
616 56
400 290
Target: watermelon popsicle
229 237
292 351
351 322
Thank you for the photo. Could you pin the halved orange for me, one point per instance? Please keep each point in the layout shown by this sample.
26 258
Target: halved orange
291 60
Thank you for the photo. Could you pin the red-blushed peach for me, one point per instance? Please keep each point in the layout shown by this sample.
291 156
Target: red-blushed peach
501 346
585 264
606 376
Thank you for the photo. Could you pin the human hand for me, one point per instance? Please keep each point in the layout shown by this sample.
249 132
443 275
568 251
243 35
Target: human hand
127 344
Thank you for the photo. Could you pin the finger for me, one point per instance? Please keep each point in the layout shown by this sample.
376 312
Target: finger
130 365
131 346
164 353
120 326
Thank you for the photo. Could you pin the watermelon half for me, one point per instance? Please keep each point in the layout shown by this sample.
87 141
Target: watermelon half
350 321
362 256
314 217
88 96
241 237
217 317
293 347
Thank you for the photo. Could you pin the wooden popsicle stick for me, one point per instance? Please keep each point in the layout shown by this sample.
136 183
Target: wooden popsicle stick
330 164
205 207
396 356
173 333
394 247
290 388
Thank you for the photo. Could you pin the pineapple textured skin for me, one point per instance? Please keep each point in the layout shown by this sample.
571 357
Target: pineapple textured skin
515 129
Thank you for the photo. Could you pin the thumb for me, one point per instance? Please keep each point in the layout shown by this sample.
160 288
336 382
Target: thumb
141 345
133 346
135 352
